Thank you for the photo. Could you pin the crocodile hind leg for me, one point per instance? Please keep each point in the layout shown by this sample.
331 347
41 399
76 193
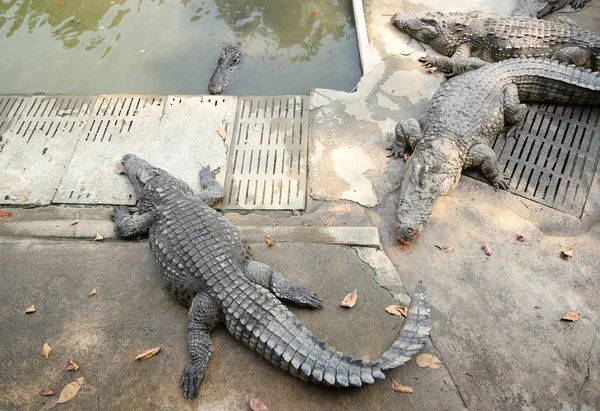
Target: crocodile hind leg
574 55
483 156
203 316
129 227
514 111
211 192
408 132
265 276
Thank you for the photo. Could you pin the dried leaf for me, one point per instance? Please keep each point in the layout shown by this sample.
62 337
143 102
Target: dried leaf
396 386
70 391
313 14
445 248
428 361
81 187
61 3
269 240
5 213
46 350
98 238
521 237
329 221
222 132
75 222
70 366
46 392
119 168
148 354
570 316
567 252
486 249
93 292
397 310
257 405
30 310
350 299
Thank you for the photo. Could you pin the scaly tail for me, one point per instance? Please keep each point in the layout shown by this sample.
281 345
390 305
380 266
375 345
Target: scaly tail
255 317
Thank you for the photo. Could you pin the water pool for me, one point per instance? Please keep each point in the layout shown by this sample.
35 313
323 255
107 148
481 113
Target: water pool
171 47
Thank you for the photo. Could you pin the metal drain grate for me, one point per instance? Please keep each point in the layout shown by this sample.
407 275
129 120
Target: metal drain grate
268 154
555 156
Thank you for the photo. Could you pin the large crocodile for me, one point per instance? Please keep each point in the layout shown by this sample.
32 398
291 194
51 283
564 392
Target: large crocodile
204 263
554 5
464 116
231 58
470 34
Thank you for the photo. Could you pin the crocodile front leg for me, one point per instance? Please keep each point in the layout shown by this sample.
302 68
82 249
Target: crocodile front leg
203 316
265 276
483 156
514 111
129 227
446 64
211 192
408 132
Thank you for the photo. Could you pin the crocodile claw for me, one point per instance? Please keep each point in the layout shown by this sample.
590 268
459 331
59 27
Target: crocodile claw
396 150
118 214
206 171
190 380
501 182
427 61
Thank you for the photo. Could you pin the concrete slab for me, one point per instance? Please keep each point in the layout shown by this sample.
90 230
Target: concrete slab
131 313
177 133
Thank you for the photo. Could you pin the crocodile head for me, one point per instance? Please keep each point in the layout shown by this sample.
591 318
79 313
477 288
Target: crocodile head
231 58
443 32
427 177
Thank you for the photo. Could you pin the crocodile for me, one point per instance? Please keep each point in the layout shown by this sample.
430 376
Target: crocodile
462 120
554 5
231 58
205 264
462 35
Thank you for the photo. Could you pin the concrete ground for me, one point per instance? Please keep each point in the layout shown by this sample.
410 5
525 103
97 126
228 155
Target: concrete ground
495 318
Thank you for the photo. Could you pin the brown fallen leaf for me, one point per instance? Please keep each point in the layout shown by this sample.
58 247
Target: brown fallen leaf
222 132
81 187
75 222
486 249
350 299
98 238
70 366
570 316
257 405
329 221
4 213
61 3
46 350
148 354
119 168
46 392
428 361
70 391
396 386
397 310
269 240
30 310
93 292
521 237
567 252
445 248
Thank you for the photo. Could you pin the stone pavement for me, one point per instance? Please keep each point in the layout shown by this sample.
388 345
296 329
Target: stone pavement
495 318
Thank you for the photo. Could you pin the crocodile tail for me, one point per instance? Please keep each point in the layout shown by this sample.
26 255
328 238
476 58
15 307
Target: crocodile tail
256 318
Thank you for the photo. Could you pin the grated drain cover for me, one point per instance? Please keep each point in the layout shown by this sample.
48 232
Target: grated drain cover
554 158
268 152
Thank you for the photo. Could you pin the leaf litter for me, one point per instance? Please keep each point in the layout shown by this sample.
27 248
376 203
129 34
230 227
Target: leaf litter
148 354
70 391
350 299
404 389
329 221
571 316
445 248
46 350
257 405
429 361
30 310
269 240
400 310
46 392
70 366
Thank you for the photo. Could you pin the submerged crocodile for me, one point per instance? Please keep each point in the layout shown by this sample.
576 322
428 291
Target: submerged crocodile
204 263
554 5
231 58
462 120
470 34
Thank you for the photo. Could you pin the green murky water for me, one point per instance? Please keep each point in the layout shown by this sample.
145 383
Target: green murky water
171 46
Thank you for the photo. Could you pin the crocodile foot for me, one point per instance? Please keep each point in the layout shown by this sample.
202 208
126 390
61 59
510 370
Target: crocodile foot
396 150
500 182
190 380
118 214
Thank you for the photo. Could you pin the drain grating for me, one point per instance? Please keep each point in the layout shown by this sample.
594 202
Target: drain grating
555 156
267 165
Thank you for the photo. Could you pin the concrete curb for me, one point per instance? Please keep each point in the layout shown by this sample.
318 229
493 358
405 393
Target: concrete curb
366 60
86 223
